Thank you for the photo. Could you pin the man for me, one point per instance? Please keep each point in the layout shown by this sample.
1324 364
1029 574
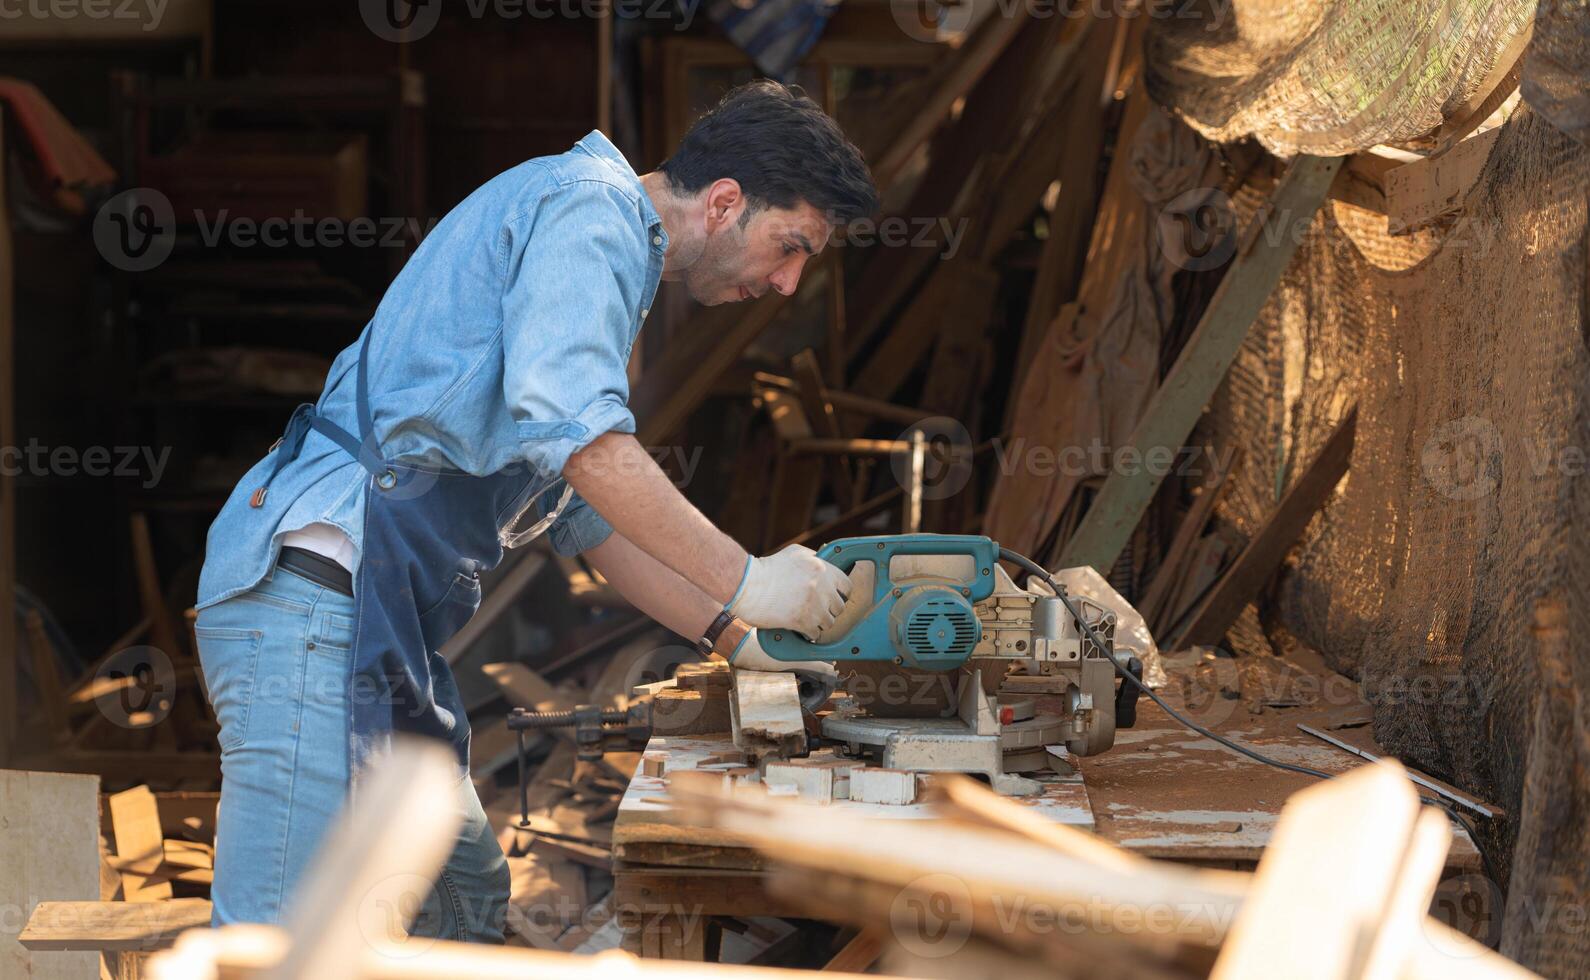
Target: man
494 365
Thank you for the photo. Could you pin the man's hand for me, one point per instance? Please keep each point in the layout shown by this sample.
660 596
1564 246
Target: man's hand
793 589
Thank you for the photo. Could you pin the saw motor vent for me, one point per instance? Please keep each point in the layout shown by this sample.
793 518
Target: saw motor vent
935 628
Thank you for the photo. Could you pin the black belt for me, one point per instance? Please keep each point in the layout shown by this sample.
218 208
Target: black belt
318 569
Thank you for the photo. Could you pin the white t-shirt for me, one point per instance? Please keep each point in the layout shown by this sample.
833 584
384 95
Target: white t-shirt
323 539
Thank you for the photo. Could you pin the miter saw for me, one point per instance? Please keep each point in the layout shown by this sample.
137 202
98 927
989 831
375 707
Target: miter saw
1027 673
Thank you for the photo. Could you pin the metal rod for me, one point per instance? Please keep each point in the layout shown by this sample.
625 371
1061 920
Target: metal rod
524 784
1489 812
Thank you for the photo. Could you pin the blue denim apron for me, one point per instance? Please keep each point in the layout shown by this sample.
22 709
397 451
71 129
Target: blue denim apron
428 534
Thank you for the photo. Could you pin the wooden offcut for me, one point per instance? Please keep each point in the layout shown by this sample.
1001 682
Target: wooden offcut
111 926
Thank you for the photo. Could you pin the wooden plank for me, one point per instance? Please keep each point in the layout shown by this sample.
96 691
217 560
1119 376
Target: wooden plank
858 955
872 408
959 293
151 594
1342 846
1419 194
987 43
49 852
1267 248
677 383
824 422
1269 545
1187 533
125 926
1080 175
376 865
8 483
135 820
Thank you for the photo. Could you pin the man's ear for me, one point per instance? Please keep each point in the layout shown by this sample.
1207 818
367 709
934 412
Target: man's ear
724 204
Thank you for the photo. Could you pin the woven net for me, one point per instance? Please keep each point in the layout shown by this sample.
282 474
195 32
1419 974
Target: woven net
1327 78
1451 572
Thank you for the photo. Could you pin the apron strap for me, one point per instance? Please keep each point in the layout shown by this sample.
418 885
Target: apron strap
364 449
368 451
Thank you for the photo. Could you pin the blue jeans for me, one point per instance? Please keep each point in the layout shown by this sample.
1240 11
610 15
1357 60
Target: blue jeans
276 662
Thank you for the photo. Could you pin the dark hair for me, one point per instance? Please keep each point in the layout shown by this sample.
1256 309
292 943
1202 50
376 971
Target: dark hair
781 148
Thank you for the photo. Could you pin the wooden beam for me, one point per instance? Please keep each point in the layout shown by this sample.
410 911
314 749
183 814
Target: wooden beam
874 408
681 379
381 859
1266 249
992 121
117 926
858 955
1419 194
986 44
824 422
1080 175
1187 533
860 447
849 522
1269 545
8 484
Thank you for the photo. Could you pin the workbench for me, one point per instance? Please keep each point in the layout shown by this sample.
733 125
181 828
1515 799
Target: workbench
1163 791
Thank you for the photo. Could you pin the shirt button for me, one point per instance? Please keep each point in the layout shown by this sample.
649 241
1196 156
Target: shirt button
644 313
656 239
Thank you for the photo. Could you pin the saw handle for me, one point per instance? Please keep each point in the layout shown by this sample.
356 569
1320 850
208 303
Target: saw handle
869 638
845 553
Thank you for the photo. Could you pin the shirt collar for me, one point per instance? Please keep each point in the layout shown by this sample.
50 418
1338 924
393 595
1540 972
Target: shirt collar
599 146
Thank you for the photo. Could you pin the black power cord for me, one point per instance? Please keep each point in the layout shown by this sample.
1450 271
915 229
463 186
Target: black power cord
1034 568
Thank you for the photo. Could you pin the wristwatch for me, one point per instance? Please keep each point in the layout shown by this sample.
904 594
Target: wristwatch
723 636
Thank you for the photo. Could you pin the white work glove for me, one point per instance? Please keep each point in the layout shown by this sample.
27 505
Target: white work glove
817 678
793 590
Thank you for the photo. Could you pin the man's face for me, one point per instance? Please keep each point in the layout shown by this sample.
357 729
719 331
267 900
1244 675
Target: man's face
768 250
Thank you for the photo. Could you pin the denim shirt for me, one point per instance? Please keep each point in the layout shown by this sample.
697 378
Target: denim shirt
504 342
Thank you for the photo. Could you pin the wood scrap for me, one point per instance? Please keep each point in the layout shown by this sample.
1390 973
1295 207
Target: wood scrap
140 847
124 926
765 711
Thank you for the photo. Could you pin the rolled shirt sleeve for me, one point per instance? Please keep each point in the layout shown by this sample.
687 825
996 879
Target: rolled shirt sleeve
576 273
